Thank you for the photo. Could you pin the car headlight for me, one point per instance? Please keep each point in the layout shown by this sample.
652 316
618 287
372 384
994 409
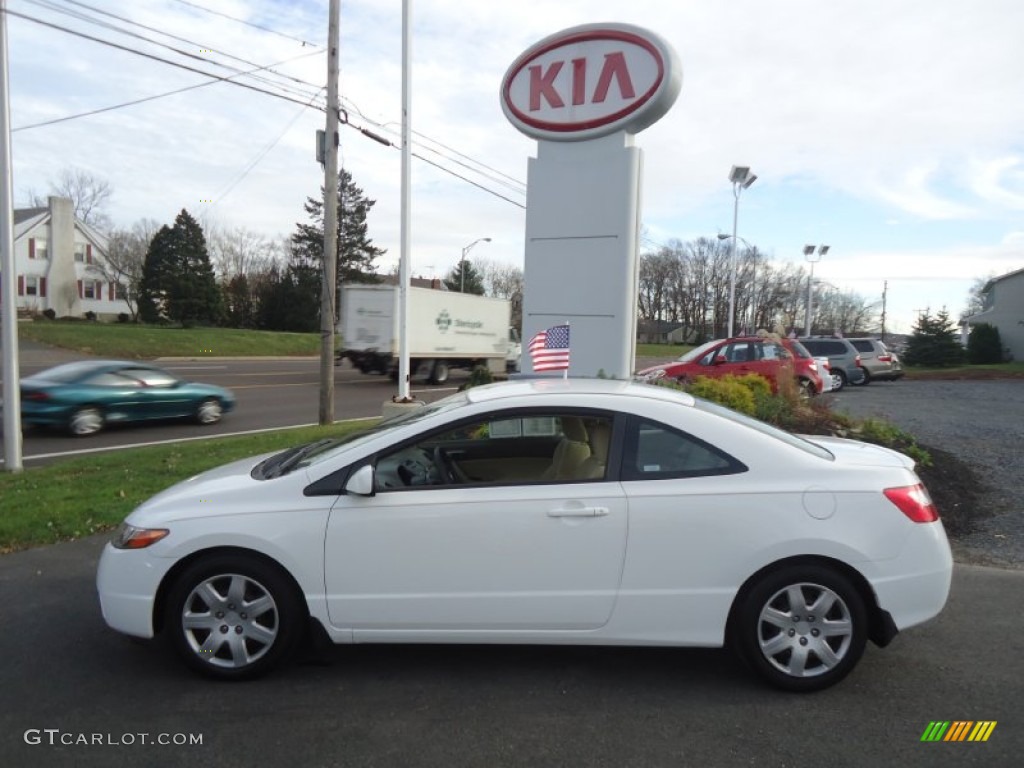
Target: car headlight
653 375
130 537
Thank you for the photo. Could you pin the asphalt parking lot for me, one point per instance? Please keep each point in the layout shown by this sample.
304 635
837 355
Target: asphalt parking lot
67 678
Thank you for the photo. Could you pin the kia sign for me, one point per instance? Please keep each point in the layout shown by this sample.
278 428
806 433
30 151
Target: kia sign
590 81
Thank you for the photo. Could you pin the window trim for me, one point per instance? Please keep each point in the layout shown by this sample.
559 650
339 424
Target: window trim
612 470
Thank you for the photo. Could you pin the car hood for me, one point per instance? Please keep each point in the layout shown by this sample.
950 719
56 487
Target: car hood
214 491
855 452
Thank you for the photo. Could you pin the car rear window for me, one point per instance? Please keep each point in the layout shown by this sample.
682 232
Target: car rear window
863 346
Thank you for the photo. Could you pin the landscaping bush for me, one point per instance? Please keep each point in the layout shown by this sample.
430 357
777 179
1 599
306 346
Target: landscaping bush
50 314
122 317
730 391
90 316
984 345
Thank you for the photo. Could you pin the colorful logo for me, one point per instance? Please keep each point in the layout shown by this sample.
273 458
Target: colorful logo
444 321
958 730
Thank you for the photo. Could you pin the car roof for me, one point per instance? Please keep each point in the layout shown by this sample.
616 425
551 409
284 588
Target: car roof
575 387
80 368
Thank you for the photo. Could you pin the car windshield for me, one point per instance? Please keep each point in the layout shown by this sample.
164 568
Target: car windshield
313 453
765 429
697 352
799 349
68 372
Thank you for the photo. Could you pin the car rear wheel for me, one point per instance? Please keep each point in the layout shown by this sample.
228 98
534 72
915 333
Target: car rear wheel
87 420
233 616
439 374
209 411
807 389
838 380
802 628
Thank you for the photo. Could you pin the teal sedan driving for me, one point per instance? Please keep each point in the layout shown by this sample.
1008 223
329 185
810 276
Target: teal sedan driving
85 396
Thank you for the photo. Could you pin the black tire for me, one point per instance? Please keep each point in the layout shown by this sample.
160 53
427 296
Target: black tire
866 380
86 420
839 380
245 616
804 647
440 372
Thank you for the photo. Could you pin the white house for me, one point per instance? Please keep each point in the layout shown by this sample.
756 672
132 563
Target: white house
58 264
1003 307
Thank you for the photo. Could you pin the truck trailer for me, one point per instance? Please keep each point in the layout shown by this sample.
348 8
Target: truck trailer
445 330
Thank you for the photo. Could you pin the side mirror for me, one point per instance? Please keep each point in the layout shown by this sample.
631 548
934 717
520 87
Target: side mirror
721 359
360 483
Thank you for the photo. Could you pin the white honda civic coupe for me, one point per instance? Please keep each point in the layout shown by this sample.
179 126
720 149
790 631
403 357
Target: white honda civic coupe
543 511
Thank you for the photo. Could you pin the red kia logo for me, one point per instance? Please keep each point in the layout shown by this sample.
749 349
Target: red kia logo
589 81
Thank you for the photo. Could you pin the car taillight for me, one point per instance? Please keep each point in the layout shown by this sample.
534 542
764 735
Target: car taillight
914 502
34 396
885 358
856 361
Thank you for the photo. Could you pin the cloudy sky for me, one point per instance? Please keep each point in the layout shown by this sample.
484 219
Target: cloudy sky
891 130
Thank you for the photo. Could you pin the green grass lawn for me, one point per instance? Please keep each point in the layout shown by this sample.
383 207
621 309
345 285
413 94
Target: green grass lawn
86 495
666 351
1014 370
124 340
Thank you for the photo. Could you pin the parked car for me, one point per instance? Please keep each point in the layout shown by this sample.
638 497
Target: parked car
85 396
877 361
844 359
768 357
590 512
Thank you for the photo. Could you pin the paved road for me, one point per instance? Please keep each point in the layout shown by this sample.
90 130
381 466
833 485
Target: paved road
495 706
271 394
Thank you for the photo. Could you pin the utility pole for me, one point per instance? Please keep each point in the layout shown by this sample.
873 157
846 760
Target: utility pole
9 318
885 293
330 272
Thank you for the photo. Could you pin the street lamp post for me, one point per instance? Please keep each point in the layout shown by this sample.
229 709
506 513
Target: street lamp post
753 276
462 262
741 179
813 258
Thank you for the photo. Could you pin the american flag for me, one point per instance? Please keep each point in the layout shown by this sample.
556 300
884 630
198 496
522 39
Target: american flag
549 350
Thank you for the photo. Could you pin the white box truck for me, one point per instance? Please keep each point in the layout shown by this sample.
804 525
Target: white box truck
446 330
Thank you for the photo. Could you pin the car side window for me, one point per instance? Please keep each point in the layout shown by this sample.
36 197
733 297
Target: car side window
655 451
149 377
111 380
509 450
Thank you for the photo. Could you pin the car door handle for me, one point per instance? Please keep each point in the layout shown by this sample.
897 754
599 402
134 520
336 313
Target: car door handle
579 512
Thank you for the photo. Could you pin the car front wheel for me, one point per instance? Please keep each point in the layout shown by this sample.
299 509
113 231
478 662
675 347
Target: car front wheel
802 628
233 616
209 411
838 380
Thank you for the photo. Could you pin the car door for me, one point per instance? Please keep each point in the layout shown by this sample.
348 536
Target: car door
162 395
435 553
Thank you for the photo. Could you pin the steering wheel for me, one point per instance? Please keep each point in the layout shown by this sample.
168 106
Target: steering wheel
445 465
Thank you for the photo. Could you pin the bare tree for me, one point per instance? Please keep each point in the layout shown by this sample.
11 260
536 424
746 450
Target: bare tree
976 296
126 254
240 251
89 194
500 279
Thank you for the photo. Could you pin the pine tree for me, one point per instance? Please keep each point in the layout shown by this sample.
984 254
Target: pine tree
157 275
356 251
464 278
195 297
984 345
934 343
178 283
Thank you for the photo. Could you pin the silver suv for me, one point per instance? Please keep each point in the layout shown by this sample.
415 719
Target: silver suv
878 362
843 358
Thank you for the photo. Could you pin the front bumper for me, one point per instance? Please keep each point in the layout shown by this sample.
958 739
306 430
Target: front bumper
127 581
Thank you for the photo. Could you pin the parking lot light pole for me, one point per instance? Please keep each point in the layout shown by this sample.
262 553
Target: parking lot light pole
813 258
741 179
462 261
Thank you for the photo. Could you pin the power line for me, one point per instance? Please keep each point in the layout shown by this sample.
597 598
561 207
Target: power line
243 21
49 5
151 98
192 42
153 57
264 152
